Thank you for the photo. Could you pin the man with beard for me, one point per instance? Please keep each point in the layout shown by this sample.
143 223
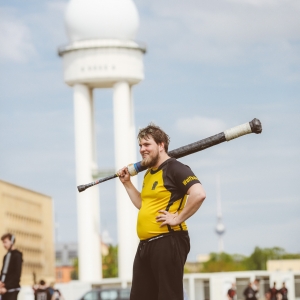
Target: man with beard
163 210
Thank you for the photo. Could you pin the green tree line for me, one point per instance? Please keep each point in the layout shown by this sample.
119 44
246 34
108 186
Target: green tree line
225 262
109 264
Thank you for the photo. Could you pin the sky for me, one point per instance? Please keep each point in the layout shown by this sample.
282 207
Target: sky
209 66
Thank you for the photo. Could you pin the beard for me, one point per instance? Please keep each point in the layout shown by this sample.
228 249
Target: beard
149 161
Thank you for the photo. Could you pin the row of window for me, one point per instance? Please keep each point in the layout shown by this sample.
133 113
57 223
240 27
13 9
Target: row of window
25 234
23 218
29 250
32 265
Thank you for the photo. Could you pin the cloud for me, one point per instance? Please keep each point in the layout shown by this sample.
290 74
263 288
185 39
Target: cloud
47 20
15 38
38 31
200 126
225 32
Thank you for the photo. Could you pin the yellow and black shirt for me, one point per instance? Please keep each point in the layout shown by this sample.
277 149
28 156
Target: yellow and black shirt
164 188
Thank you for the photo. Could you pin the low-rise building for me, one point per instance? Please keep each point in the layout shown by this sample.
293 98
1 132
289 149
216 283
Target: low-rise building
65 259
283 265
29 216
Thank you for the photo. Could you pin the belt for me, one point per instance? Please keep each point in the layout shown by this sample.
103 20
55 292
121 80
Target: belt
181 232
13 290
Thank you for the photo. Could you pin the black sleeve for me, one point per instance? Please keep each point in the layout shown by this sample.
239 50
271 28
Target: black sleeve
183 176
14 271
2 266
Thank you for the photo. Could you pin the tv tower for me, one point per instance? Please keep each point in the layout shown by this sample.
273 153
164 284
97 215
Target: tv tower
220 228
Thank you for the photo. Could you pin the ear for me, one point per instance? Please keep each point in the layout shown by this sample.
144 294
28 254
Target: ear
161 147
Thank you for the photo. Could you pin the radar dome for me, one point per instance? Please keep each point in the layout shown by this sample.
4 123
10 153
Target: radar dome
101 19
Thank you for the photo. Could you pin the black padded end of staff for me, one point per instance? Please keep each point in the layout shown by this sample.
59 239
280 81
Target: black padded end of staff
255 125
83 187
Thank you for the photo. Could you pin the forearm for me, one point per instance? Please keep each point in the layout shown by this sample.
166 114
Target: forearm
134 194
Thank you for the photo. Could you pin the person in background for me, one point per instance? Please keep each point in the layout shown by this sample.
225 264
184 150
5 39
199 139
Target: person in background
11 269
283 291
255 287
56 294
43 292
249 292
268 295
231 294
273 292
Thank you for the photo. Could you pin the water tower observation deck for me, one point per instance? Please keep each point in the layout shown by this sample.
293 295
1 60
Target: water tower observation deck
102 50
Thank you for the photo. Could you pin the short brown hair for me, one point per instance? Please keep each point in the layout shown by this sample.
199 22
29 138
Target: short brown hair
156 133
7 236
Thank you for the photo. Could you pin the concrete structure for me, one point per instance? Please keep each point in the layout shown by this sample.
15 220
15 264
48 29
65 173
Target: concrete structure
102 54
214 286
66 256
220 228
206 286
283 265
29 216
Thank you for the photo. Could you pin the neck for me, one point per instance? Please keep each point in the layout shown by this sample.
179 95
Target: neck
162 158
11 248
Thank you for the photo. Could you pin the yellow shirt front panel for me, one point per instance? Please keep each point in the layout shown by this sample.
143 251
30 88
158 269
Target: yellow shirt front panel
161 192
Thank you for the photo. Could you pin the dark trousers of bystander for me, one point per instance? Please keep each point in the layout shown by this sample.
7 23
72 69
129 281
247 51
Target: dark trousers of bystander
158 267
10 296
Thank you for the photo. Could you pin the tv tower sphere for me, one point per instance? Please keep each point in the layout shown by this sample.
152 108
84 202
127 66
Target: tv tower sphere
102 53
220 228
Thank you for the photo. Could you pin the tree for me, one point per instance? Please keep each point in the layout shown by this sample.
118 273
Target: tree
74 273
258 259
224 262
110 262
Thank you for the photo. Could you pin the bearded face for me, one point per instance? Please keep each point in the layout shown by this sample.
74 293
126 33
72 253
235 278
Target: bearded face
150 152
150 160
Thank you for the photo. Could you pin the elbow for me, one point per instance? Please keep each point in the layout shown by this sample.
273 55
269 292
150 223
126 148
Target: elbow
202 196
198 198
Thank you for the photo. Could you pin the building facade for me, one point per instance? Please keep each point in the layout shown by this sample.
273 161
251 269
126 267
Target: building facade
65 260
29 216
281 265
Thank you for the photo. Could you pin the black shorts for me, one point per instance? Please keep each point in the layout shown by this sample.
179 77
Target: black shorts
158 267
10 296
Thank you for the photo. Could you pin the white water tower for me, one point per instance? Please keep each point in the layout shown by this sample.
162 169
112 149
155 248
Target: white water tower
102 53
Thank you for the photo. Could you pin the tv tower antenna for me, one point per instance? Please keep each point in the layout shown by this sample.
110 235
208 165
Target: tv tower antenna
220 228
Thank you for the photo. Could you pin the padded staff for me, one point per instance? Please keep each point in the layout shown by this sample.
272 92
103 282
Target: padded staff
251 127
